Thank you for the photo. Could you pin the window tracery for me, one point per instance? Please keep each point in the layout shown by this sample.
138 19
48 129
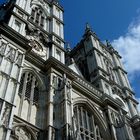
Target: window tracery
28 99
38 17
86 126
29 84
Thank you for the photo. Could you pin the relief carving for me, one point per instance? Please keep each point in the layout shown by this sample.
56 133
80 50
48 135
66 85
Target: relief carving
37 48
2 48
35 34
37 40
11 54
6 116
22 134
18 60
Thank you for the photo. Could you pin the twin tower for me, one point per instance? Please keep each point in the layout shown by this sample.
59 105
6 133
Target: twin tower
48 92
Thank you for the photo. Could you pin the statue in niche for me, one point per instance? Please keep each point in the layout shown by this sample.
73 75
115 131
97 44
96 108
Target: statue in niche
19 59
22 134
76 128
11 54
68 85
6 116
2 48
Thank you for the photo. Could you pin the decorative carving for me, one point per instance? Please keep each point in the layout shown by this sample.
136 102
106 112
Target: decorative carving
75 127
37 48
18 60
2 48
35 34
6 116
22 131
130 132
43 5
0 105
37 40
11 54
22 134
101 112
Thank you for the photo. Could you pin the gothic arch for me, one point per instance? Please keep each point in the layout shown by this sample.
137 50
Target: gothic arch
41 5
120 100
30 95
100 120
34 72
26 128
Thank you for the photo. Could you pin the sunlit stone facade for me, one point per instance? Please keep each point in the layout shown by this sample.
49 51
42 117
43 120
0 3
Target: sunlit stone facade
48 92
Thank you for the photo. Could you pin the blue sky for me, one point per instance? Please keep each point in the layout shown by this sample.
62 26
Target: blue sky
115 20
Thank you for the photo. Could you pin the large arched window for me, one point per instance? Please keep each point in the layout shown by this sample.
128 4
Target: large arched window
30 82
28 97
87 128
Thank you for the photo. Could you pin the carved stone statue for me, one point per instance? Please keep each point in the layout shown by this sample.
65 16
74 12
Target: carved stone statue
2 48
18 60
6 116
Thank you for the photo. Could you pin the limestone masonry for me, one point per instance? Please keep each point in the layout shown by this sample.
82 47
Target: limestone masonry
52 92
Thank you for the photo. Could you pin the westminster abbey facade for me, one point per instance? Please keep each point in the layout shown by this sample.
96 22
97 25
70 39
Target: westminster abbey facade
52 92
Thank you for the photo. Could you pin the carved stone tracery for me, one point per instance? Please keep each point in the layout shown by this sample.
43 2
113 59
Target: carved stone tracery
22 134
41 4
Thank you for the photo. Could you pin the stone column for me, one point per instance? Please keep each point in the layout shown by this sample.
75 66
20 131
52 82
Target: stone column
50 109
66 107
128 133
50 113
113 131
131 107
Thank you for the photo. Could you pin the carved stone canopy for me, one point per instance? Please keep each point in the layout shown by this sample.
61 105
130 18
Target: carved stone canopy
22 132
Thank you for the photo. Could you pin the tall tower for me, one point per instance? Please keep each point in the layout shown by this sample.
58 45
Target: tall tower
42 97
100 65
31 33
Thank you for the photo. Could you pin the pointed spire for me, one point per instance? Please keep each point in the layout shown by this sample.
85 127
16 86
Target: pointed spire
72 61
87 27
88 31
55 1
108 44
68 48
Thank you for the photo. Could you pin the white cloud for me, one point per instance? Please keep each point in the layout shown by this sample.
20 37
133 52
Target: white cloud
128 46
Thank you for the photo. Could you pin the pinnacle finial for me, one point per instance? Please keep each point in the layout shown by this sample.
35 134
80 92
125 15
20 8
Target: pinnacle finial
87 27
56 1
108 43
68 48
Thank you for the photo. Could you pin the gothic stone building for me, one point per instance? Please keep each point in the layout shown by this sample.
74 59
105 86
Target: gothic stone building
51 93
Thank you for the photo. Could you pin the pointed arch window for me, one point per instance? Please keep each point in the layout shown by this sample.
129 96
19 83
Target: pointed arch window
97 133
29 88
28 97
38 16
85 123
